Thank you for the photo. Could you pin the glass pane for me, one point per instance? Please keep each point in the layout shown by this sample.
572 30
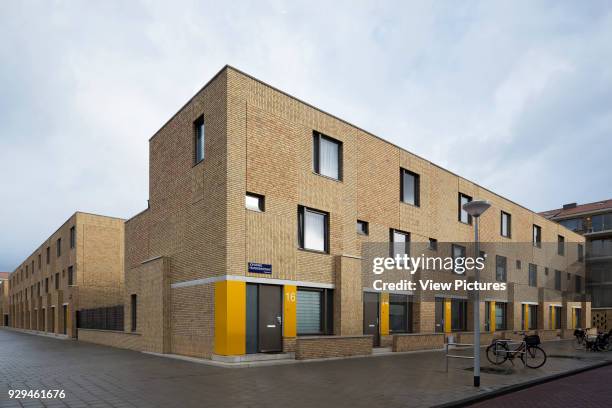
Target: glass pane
464 214
328 158
399 243
314 231
200 142
253 202
308 312
500 316
408 188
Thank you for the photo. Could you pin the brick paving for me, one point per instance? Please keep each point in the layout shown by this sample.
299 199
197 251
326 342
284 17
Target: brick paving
98 376
588 389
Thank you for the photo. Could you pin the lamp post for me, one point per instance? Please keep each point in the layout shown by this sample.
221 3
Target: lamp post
476 209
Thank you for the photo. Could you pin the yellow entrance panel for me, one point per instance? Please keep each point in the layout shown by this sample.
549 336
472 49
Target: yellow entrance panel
230 318
492 322
384 314
447 316
526 322
289 310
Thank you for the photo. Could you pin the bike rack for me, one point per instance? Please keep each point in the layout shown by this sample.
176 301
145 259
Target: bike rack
465 345
510 343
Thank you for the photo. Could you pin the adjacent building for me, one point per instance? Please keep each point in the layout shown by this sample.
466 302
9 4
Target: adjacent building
594 222
79 267
4 299
259 207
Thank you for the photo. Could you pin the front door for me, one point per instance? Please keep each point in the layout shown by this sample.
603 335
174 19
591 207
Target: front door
65 319
270 318
439 315
370 316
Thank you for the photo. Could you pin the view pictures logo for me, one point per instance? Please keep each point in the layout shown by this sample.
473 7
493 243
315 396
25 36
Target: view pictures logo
459 264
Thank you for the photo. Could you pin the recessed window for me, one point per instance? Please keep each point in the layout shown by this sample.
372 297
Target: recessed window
518 264
363 228
134 312
464 217
410 187
200 138
578 284
314 311
327 156
72 237
70 276
48 255
459 253
458 315
57 279
433 244
533 275
560 245
580 253
557 279
537 236
400 243
59 247
546 271
254 202
506 225
400 314
500 315
500 268
313 229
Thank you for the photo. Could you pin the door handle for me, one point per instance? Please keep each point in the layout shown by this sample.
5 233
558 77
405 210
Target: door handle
279 319
372 325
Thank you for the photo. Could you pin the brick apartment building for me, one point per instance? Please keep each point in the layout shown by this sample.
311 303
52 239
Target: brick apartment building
80 266
259 205
594 222
4 299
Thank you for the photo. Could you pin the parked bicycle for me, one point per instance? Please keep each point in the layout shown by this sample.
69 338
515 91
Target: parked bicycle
580 338
600 342
529 351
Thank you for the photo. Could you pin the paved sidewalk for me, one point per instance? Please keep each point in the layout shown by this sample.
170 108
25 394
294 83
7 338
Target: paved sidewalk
98 376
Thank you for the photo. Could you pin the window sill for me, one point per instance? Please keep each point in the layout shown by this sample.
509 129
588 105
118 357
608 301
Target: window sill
327 177
469 224
410 204
196 164
254 210
314 251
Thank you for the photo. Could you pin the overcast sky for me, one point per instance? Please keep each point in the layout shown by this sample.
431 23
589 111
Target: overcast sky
516 96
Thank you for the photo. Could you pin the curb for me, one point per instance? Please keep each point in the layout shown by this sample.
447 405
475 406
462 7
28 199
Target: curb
517 387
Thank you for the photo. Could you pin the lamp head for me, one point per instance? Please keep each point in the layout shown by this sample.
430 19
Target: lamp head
477 207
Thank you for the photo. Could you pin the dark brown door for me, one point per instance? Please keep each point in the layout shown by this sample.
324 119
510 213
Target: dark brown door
370 316
270 318
439 315
65 319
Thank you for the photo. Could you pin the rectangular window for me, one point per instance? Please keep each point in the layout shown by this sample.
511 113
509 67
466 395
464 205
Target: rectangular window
487 316
327 156
546 271
500 316
578 284
46 285
200 138
254 202
464 217
410 186
458 315
557 317
560 245
433 244
314 311
533 275
70 276
363 228
59 247
518 264
313 229
500 268
557 279
506 225
400 243
57 281
459 252
134 310
48 255
39 261
580 253
72 237
400 313
537 236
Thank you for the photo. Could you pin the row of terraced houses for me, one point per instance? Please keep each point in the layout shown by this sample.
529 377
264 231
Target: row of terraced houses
259 207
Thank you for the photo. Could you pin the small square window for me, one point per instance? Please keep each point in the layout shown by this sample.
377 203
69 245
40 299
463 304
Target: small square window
363 228
433 244
255 202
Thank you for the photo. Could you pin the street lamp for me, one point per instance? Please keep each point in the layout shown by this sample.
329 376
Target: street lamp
476 209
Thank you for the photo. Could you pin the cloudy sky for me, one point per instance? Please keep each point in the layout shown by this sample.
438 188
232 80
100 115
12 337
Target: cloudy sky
516 96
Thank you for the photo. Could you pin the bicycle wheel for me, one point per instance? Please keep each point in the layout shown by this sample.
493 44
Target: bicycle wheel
497 353
579 343
536 357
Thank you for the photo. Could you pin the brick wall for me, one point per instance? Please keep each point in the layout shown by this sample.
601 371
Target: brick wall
307 348
418 341
131 341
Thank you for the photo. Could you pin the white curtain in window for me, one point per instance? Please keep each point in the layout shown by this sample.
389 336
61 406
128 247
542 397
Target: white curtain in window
328 158
314 231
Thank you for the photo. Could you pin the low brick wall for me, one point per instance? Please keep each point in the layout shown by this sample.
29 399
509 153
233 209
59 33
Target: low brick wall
310 347
548 335
131 341
468 338
510 335
289 344
567 333
418 341
386 341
